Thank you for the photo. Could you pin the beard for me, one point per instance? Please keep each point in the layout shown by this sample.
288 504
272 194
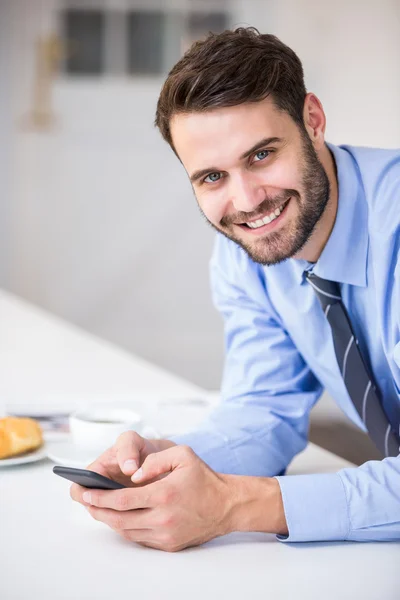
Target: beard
275 247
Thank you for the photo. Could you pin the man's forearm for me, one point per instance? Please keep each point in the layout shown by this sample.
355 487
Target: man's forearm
256 505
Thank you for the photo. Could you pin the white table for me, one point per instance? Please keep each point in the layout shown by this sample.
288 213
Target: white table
50 548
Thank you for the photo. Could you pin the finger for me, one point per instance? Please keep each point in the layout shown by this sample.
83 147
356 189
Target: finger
143 537
128 448
137 535
76 492
103 462
121 521
163 462
151 539
141 526
112 519
121 500
107 464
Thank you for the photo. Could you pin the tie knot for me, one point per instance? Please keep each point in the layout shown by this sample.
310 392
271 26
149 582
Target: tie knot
327 291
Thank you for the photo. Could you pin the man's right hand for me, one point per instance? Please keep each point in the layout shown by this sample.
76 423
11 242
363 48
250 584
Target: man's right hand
126 456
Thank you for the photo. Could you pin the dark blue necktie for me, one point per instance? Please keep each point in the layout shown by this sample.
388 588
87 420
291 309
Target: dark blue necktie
359 382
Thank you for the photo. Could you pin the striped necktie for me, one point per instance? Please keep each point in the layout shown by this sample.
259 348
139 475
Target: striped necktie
359 382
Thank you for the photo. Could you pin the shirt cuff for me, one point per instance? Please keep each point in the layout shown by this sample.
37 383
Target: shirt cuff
315 508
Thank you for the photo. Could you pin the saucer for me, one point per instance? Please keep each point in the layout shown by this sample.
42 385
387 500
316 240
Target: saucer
69 454
28 457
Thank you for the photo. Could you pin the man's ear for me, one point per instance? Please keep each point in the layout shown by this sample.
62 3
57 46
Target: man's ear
314 120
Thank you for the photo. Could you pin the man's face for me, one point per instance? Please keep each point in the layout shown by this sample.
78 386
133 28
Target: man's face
256 176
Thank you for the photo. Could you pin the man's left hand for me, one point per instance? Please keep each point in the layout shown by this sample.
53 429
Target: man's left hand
188 505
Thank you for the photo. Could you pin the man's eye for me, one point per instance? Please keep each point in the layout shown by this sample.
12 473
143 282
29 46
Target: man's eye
261 155
212 178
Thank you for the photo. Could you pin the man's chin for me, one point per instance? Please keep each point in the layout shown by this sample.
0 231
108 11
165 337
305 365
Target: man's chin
266 259
266 253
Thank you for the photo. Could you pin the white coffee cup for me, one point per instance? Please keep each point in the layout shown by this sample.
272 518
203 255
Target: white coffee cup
98 427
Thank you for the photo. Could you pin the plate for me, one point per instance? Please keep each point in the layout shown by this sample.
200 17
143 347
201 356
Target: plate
69 454
28 457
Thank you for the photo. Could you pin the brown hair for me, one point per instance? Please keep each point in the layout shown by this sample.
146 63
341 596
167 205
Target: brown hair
231 68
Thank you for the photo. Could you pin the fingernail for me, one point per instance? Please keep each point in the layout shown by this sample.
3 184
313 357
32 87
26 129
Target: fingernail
87 497
137 475
130 465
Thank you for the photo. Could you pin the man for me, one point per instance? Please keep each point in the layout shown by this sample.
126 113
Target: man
306 274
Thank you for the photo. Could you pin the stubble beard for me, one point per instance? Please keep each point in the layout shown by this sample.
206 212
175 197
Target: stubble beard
276 247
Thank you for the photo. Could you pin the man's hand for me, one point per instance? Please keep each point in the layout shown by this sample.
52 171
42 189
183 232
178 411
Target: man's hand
124 458
187 507
175 500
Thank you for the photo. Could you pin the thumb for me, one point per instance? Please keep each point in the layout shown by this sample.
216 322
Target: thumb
128 448
160 463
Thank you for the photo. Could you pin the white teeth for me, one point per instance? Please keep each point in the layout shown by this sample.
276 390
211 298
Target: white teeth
264 220
267 219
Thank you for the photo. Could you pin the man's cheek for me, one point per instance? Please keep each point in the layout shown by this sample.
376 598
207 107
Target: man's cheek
211 213
284 176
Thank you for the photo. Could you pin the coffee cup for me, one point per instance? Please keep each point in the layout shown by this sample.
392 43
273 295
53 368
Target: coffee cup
98 427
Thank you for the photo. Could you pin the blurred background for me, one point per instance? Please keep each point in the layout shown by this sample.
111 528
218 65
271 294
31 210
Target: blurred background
98 223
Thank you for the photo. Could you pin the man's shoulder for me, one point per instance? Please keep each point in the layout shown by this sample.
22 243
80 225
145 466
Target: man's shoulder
365 155
379 170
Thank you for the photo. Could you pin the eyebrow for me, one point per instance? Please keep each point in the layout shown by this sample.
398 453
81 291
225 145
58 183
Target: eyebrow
261 144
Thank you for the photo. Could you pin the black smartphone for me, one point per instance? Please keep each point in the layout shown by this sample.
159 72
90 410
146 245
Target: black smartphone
88 479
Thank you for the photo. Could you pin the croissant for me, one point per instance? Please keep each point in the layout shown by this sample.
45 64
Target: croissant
19 435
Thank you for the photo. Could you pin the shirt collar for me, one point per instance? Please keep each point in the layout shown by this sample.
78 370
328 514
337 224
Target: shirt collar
344 258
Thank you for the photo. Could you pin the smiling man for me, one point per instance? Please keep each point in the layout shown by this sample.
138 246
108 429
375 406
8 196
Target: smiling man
306 274
269 198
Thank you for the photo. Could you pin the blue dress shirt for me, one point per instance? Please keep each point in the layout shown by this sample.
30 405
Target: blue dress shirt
280 356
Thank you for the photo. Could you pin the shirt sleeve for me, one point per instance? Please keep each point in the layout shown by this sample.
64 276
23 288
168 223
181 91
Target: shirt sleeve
267 389
360 504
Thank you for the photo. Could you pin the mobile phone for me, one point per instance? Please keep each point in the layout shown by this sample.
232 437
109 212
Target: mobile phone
88 479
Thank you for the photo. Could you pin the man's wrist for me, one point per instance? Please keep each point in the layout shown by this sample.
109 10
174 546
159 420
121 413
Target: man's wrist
256 505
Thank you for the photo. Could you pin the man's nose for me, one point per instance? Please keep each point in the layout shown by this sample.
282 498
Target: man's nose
246 194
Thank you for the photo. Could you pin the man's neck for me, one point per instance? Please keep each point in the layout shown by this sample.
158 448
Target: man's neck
314 247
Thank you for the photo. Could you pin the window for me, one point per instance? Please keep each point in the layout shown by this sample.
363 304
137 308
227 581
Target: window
199 24
84 30
136 42
146 32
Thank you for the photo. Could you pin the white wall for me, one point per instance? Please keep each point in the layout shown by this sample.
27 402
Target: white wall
105 229
6 141
350 51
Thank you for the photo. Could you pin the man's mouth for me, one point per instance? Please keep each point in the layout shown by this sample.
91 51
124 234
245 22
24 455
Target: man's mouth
265 219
